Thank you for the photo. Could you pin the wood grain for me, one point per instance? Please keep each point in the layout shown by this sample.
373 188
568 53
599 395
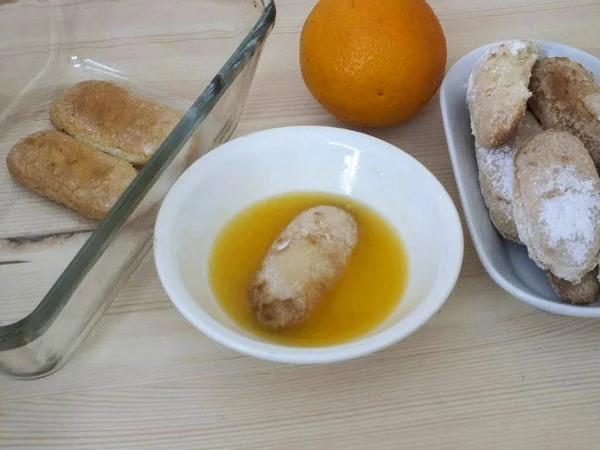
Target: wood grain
486 372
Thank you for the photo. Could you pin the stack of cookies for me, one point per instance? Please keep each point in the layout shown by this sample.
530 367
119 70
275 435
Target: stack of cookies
102 132
536 123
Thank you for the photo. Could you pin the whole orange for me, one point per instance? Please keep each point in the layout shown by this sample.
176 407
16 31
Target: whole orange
372 62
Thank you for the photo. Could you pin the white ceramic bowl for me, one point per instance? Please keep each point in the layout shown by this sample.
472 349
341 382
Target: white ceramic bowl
248 169
507 263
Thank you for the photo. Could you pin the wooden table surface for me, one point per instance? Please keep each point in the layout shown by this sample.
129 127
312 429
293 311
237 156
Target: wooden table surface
486 372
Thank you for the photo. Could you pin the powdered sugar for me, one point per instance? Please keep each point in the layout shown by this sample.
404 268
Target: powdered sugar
498 166
592 103
569 217
513 47
516 46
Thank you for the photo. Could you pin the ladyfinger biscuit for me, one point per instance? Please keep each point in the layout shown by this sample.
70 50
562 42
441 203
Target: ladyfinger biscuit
498 91
113 119
556 203
582 293
566 97
70 172
496 174
302 264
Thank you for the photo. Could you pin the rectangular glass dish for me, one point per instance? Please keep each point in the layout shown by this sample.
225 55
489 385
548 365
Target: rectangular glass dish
58 270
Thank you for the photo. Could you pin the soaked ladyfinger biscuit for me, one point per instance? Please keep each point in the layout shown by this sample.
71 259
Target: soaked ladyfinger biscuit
566 97
556 203
498 91
302 264
582 293
496 174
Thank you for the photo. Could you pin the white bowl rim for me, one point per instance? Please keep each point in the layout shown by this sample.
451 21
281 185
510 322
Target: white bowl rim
195 314
541 303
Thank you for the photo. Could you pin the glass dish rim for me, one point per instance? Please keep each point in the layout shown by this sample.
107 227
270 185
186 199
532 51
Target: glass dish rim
26 330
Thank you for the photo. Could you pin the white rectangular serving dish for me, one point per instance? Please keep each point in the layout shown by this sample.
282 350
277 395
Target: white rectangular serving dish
507 263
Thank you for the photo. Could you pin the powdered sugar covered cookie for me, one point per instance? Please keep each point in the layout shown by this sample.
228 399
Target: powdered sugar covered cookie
496 174
556 201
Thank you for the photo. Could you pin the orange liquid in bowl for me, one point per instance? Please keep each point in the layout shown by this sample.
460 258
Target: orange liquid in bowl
367 292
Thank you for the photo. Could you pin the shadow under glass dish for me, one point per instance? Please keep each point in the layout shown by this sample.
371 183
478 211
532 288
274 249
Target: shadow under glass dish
46 251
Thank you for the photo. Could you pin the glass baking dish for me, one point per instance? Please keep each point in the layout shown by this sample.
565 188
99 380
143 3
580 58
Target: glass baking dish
168 51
